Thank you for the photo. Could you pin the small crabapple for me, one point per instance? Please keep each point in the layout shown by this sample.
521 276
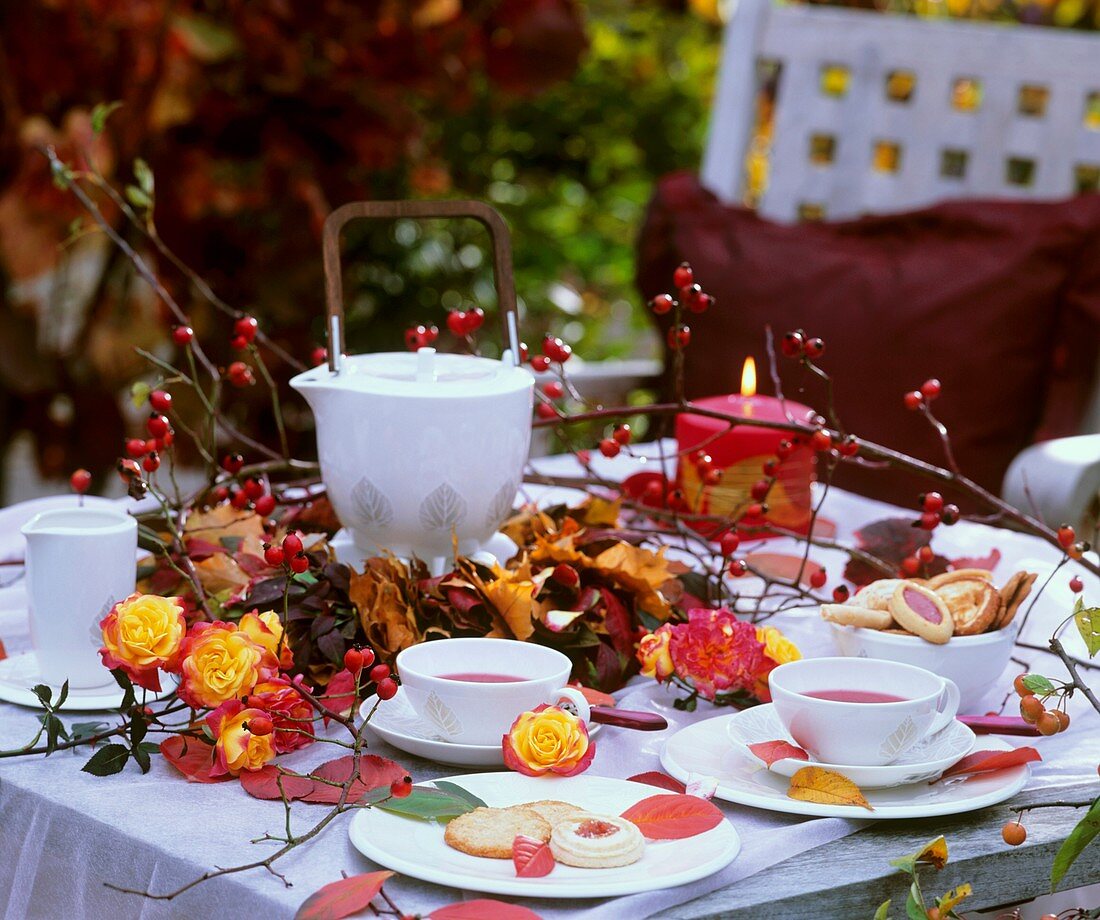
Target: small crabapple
930 389
239 500
265 504
246 328
792 344
151 462
156 425
1031 709
292 544
738 568
683 275
1013 833
540 363
353 661
1066 535
1021 688
232 463
80 481
622 434
135 447
1076 585
400 788
950 514
910 565
818 578
814 348
840 594
662 303
930 520
679 337
299 563
273 555
182 334
553 389
379 672
609 447
160 401
1048 724
729 543
546 410
386 689
913 400
318 356
821 440
260 725
931 501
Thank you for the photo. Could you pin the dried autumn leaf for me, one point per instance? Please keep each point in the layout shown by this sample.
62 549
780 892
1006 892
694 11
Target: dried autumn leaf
221 572
512 594
643 571
933 853
483 909
826 787
660 780
226 521
532 858
192 758
990 761
342 898
953 897
599 512
771 751
382 595
673 817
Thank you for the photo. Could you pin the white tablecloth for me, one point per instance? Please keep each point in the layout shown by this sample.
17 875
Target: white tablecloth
63 832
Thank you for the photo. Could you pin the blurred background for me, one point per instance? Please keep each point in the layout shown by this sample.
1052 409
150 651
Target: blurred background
256 117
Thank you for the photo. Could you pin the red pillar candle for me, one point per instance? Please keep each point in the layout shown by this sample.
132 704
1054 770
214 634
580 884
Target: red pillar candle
741 452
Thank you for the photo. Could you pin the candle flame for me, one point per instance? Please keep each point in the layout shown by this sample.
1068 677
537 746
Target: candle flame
748 377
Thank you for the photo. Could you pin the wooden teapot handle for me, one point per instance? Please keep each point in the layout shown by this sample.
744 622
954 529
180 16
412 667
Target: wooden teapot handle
489 217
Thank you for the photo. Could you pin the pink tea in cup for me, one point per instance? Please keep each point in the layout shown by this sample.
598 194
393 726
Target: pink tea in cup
854 696
478 677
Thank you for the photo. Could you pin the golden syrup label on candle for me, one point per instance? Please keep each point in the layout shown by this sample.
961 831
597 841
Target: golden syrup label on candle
788 500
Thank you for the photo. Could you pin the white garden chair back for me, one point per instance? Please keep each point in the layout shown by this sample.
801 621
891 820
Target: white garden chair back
992 111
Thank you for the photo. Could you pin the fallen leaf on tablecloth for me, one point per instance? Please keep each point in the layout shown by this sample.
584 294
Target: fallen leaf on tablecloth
771 751
989 563
990 761
343 898
826 787
660 780
933 853
673 817
483 909
264 784
784 566
532 858
192 758
374 772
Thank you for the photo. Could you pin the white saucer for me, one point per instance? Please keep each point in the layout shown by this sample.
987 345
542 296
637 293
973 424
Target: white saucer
417 849
924 761
397 724
20 672
705 748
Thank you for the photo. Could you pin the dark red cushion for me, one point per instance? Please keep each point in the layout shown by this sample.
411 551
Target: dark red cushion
998 299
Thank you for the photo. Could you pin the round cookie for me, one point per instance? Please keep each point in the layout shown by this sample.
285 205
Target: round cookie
1013 594
856 616
597 842
974 604
946 578
552 811
876 595
490 832
923 612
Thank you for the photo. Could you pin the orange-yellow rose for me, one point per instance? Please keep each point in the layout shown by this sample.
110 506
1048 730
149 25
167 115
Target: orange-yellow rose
141 635
220 663
266 630
778 649
235 747
654 654
548 740
291 713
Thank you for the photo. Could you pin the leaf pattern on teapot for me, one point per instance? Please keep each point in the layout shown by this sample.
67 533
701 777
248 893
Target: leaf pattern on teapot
900 739
501 505
373 508
95 632
443 508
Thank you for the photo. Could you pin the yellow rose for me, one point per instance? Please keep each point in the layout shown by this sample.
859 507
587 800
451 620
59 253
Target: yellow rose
220 663
266 630
141 635
548 740
653 653
777 647
235 747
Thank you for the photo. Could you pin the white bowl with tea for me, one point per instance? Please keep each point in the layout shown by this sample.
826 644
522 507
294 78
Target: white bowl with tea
471 690
858 710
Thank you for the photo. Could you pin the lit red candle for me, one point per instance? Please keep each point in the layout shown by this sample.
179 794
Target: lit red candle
740 453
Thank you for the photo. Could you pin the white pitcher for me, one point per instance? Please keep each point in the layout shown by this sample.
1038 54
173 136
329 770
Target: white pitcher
80 562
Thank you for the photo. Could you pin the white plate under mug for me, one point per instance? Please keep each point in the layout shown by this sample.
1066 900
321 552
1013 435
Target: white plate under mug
705 748
397 724
926 760
416 848
20 672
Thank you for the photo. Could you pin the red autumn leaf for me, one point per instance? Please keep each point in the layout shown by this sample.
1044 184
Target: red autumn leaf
343 898
660 780
252 565
374 771
771 751
192 758
891 540
264 784
990 761
3 651
595 697
532 858
989 563
782 565
673 817
340 694
199 549
483 909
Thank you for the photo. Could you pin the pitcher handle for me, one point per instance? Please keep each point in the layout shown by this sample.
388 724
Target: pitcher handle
489 217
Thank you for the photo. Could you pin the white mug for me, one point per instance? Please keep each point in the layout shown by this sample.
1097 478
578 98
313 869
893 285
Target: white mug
80 562
438 679
859 732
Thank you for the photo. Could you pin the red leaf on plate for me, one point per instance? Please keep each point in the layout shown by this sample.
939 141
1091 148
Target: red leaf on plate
673 817
343 898
978 562
264 784
483 909
658 779
192 758
771 751
532 858
990 761
782 565
595 697
374 771
340 694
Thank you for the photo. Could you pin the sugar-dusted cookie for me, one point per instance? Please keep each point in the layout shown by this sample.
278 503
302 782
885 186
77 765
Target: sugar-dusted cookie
490 832
552 811
1013 594
596 842
974 604
876 595
856 616
920 610
959 575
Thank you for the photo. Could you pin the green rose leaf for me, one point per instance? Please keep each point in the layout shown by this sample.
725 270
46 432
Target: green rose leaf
82 730
1088 625
108 760
1079 838
44 694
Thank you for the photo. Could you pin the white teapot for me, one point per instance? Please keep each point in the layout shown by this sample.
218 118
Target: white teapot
420 451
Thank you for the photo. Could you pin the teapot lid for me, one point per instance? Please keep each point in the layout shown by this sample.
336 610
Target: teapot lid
425 372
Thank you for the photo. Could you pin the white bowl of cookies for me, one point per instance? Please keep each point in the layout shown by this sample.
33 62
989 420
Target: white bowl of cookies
958 625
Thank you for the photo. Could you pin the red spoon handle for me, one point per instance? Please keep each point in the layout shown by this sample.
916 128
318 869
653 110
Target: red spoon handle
629 718
998 725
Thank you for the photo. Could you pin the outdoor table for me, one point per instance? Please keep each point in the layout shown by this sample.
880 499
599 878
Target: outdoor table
63 833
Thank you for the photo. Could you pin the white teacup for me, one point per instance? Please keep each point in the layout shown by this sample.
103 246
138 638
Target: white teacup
446 681
80 563
866 731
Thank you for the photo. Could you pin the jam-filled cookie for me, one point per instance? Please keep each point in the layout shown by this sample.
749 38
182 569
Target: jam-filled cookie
974 604
876 595
856 616
922 611
596 842
490 832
